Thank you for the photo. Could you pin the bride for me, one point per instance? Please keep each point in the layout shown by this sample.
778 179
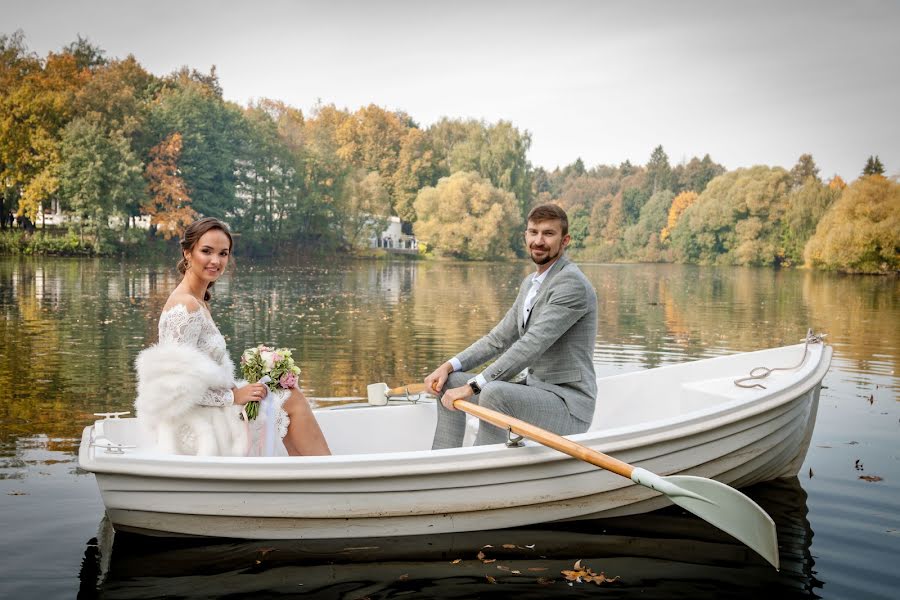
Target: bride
187 396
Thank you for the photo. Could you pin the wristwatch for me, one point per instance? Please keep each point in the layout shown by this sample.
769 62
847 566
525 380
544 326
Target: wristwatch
473 383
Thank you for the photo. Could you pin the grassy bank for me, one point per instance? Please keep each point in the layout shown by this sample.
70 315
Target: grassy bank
49 242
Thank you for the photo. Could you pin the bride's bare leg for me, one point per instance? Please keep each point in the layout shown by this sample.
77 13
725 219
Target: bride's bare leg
304 437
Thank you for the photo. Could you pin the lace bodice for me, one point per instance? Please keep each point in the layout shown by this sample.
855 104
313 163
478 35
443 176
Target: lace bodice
197 329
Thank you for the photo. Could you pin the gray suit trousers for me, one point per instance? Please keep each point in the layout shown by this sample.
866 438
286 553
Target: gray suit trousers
533 405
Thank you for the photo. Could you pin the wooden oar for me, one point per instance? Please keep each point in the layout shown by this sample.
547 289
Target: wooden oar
713 501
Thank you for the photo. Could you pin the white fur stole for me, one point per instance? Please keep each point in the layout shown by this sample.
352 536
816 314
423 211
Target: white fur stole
171 379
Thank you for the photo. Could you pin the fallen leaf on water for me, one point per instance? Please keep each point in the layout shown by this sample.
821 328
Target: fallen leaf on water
858 465
537 568
486 546
509 546
585 574
403 577
480 555
871 477
516 572
16 493
530 546
853 443
488 561
544 581
456 562
823 446
502 568
490 579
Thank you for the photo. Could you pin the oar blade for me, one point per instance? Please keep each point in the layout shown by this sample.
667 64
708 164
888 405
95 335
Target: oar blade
729 510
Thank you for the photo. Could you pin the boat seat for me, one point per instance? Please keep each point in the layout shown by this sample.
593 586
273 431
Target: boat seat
707 392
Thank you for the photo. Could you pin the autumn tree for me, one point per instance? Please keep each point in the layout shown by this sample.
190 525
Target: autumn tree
497 152
736 220
465 216
578 198
680 203
36 103
417 168
837 183
168 203
371 139
861 230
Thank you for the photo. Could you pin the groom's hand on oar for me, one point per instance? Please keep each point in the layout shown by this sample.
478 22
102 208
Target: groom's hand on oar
435 382
453 394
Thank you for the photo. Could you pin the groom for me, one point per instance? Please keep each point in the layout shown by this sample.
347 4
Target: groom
548 334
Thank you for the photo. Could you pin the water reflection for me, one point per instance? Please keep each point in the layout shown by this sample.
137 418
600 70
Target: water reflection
72 328
659 555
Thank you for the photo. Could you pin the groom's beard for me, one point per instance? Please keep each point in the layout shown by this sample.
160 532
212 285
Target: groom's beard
547 258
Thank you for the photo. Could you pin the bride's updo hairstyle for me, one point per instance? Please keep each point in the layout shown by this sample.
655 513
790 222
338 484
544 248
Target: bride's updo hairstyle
192 235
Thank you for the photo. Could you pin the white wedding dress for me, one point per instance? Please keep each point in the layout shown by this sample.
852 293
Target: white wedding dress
198 330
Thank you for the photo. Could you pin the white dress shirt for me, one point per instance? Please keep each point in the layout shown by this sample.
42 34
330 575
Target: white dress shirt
536 281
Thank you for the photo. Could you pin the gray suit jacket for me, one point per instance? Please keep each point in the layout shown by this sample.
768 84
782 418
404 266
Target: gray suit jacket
556 344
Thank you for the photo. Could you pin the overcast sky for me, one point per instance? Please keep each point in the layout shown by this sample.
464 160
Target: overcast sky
748 82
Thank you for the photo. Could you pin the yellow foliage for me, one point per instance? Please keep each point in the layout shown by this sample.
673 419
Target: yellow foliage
467 217
680 204
836 183
42 186
861 231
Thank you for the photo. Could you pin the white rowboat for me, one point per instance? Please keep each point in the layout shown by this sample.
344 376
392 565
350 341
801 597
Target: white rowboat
383 480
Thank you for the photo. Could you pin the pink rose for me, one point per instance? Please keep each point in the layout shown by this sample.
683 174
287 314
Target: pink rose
288 381
276 357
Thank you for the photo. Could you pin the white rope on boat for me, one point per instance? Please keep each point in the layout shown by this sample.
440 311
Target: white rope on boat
763 372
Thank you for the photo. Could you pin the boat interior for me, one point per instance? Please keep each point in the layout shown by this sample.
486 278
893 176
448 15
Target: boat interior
630 401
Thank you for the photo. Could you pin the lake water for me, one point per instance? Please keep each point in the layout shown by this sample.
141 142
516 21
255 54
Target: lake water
71 329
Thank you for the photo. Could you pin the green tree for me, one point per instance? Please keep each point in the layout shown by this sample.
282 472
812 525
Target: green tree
861 231
659 173
212 132
465 216
696 174
86 54
365 208
641 240
99 175
805 207
873 166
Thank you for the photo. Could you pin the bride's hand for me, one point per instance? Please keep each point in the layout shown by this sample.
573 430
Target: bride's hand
249 393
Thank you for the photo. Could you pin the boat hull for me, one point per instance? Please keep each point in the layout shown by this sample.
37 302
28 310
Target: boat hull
469 489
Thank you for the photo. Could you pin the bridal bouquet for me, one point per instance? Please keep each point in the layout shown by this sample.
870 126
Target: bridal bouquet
274 364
